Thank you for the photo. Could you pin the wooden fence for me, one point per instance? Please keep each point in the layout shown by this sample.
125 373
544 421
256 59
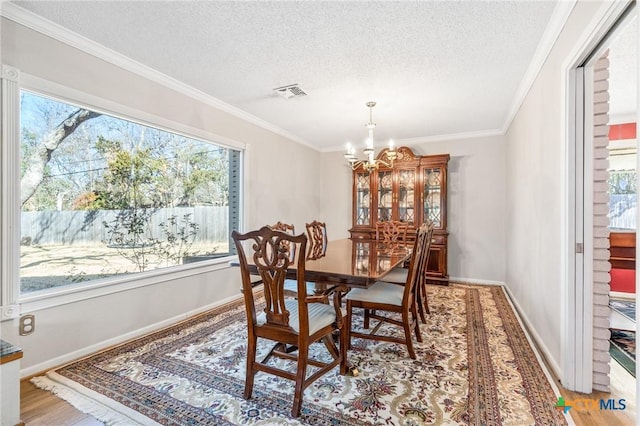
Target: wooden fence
87 227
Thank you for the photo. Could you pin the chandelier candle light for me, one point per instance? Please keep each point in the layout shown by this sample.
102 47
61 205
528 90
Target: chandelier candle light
370 162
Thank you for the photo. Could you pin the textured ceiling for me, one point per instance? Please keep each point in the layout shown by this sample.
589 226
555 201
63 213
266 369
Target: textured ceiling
623 74
435 67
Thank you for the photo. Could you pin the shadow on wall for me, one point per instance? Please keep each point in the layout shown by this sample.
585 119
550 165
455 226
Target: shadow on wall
456 205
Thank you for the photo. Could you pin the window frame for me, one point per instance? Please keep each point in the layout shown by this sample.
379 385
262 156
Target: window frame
12 301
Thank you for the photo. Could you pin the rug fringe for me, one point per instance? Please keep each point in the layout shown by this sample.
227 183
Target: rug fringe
108 414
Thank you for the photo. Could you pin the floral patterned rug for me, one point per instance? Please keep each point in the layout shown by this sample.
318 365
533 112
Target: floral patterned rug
475 366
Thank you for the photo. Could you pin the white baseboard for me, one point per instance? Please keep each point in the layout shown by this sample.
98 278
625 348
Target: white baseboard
474 281
532 336
89 350
539 343
529 330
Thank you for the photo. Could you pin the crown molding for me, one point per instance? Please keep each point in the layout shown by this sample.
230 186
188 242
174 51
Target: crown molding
551 33
57 32
48 28
451 136
411 142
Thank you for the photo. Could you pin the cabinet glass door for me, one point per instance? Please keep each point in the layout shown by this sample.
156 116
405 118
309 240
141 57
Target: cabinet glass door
385 195
363 198
432 196
406 196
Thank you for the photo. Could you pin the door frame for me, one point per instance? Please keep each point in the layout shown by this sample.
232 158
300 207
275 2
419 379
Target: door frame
577 212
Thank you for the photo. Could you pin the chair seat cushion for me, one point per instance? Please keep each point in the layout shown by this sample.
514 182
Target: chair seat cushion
320 315
380 292
292 286
396 276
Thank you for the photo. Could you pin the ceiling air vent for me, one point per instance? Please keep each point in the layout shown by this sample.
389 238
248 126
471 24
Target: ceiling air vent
290 91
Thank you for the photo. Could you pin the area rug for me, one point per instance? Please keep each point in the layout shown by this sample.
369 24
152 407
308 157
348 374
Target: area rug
475 366
626 308
622 347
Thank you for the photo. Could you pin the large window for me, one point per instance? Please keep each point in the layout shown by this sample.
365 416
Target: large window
622 185
102 196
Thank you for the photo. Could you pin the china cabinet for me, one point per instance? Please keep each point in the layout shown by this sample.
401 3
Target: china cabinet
413 191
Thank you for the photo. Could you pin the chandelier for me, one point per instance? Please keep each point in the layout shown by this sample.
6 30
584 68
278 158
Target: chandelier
370 162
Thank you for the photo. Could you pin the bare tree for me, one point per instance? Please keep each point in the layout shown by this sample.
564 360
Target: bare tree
39 158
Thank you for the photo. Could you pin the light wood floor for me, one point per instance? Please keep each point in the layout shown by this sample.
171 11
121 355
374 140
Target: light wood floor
39 407
623 386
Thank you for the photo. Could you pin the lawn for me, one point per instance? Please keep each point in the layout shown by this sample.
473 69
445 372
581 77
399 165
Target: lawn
47 266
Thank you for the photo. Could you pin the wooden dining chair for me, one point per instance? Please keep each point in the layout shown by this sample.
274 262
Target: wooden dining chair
382 300
400 274
391 234
317 233
291 324
289 229
318 246
291 286
284 227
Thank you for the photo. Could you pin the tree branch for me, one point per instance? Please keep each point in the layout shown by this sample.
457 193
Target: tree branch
38 160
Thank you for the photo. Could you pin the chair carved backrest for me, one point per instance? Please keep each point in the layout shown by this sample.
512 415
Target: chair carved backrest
284 227
391 234
317 233
291 325
419 255
289 229
270 252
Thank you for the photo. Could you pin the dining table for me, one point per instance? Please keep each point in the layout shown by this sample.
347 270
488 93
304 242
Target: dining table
353 263
346 263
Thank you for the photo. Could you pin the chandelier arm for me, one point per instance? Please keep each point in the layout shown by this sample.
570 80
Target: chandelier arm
370 162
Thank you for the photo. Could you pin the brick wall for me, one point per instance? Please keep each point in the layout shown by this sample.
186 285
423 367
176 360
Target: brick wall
601 265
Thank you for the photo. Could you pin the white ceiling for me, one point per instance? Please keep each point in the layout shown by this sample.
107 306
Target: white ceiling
435 68
623 74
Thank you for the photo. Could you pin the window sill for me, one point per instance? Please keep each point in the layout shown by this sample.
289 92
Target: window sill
78 292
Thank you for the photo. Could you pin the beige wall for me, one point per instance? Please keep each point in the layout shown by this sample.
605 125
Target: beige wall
286 181
536 171
283 184
476 203
505 198
476 206
336 194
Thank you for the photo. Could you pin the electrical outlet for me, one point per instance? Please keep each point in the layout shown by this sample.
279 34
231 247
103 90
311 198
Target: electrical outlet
27 324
